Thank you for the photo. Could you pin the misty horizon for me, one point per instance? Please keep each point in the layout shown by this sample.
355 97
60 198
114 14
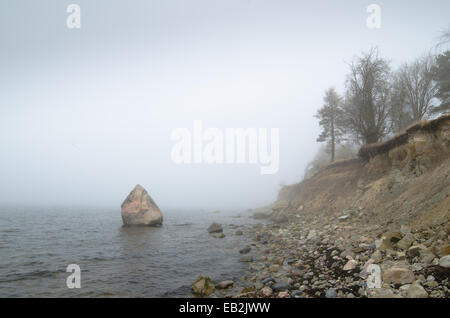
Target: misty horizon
87 114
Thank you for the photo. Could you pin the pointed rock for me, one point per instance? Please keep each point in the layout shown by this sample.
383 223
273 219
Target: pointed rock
140 209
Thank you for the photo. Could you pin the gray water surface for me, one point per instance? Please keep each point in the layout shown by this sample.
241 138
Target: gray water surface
37 244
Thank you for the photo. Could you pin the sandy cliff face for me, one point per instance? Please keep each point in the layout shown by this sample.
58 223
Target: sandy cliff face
405 180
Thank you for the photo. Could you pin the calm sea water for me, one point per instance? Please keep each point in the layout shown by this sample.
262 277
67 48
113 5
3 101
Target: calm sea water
37 244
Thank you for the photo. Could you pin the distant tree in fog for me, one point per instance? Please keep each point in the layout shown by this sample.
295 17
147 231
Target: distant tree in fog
367 97
344 150
399 111
331 119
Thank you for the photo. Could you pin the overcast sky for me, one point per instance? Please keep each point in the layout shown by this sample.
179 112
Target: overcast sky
85 114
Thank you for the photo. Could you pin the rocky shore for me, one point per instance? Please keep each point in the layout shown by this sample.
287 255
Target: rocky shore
314 258
374 226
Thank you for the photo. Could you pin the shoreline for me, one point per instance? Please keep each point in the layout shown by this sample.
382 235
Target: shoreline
313 259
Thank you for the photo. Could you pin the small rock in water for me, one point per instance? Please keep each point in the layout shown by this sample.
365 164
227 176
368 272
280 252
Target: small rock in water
246 258
239 232
215 228
203 286
245 250
224 284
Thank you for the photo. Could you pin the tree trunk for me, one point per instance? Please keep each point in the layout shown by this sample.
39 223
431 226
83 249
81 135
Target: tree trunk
332 140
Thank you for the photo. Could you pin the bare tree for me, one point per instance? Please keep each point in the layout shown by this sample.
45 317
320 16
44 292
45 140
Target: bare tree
399 111
444 39
367 97
331 118
416 82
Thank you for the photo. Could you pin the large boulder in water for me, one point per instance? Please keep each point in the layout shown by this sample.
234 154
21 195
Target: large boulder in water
140 209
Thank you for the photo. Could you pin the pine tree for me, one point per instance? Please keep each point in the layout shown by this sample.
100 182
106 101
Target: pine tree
330 119
442 77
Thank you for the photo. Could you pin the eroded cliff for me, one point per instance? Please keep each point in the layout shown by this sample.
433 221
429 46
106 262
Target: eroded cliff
405 180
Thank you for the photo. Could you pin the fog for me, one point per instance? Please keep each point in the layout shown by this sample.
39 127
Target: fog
86 114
